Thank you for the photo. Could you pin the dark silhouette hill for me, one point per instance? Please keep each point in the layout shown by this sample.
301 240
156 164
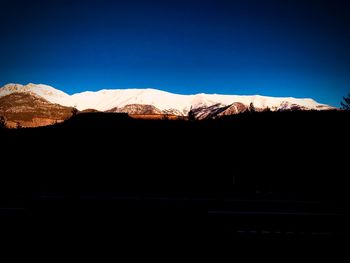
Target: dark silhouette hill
295 151
280 162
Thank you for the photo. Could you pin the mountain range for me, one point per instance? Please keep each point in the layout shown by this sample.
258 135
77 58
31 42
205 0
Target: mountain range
140 102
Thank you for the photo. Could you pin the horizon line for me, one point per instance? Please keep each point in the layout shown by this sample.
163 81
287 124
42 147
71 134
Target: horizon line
152 88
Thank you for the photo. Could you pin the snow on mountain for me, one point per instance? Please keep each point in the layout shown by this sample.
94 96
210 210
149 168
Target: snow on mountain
107 99
47 92
104 100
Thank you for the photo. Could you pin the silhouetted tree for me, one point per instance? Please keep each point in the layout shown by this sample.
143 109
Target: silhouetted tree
18 125
2 122
74 111
345 103
191 116
267 109
165 117
251 107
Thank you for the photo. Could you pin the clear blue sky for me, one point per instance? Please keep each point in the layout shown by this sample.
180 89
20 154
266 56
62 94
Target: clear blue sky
297 48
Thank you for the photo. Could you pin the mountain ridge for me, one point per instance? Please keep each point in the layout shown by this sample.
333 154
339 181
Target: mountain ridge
107 99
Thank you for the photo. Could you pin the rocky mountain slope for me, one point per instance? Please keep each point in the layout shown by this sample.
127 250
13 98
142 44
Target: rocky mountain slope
137 109
22 109
151 101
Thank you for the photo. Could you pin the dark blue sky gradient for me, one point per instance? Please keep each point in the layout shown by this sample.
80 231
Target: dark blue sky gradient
268 47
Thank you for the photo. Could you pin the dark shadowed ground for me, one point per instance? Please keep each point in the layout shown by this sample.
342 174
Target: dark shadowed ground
259 176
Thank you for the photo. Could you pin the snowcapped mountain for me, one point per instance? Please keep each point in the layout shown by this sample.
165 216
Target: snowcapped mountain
47 92
105 100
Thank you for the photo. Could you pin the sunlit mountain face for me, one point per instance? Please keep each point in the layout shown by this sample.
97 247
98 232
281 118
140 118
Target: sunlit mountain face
30 99
104 100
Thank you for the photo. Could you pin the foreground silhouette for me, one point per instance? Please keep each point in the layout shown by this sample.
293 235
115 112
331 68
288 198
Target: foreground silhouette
253 175
345 103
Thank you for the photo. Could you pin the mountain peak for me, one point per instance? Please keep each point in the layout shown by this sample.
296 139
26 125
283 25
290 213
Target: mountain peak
108 99
12 86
